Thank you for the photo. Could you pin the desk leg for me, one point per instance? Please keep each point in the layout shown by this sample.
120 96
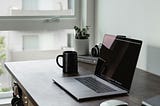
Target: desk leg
26 100
19 93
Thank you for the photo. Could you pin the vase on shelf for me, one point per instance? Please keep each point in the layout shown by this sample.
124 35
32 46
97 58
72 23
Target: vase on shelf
82 46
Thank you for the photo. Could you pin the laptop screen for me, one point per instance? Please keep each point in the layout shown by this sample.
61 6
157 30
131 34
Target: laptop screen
117 60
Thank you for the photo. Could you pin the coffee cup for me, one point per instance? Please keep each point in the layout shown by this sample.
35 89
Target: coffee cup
69 62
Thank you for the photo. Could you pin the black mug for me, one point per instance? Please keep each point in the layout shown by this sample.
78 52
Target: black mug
70 65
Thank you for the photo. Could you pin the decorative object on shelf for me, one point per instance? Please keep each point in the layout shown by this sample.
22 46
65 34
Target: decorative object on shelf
81 40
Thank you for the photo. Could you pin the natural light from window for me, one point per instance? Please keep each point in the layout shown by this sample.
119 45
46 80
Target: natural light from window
12 41
36 7
5 80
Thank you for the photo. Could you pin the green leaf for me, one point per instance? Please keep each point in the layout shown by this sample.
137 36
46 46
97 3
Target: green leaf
5 89
1 70
81 33
1 39
2 56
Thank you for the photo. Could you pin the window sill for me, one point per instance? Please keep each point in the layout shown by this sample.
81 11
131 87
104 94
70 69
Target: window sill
4 95
5 102
5 98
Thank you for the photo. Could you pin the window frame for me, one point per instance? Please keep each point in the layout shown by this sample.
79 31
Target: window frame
43 22
21 23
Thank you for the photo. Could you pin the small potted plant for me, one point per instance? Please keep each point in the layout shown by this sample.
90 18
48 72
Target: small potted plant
81 40
81 33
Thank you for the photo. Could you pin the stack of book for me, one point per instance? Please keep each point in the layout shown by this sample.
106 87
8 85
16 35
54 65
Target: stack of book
88 59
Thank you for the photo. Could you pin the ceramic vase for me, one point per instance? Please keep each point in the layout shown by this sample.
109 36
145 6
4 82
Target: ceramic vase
82 46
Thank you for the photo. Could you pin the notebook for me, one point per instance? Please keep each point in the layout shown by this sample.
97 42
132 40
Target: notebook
113 73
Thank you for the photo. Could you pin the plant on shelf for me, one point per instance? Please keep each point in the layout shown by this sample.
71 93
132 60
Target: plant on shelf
81 33
81 40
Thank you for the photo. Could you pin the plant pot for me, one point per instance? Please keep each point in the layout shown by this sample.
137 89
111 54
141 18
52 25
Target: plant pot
82 46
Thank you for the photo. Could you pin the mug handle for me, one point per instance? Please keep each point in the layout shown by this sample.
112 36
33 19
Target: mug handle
58 61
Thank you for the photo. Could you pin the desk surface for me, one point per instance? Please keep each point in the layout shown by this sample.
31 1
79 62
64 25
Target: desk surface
35 78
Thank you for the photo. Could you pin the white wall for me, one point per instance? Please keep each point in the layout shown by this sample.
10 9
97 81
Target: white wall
134 18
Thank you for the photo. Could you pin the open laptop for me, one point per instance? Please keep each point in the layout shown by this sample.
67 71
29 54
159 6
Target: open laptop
113 74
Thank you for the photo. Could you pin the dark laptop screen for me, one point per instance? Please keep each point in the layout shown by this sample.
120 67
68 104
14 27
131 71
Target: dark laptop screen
118 59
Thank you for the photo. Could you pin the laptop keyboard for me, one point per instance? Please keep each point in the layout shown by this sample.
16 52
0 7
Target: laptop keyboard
95 85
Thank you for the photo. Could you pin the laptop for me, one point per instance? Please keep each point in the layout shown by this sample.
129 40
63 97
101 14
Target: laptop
113 73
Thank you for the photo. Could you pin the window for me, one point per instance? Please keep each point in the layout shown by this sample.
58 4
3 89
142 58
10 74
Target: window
40 40
36 7
26 14
35 25
30 42
38 16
